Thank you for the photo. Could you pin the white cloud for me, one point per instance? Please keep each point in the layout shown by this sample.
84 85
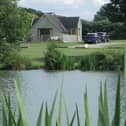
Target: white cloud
66 2
72 3
100 2
83 8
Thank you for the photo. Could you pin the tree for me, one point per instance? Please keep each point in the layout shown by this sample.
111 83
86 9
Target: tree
120 5
115 11
109 12
8 31
24 23
8 20
101 14
33 11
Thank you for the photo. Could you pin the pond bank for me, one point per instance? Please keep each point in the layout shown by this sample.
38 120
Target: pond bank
98 61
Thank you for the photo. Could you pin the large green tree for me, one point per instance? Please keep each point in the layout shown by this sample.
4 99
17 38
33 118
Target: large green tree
9 32
14 21
115 11
24 24
109 12
8 20
120 6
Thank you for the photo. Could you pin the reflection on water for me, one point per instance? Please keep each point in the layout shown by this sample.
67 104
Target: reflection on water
38 85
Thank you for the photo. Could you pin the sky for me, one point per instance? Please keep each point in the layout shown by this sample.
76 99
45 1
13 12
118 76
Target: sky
85 9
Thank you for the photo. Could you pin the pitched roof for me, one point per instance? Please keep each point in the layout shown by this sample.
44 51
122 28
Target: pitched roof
69 22
56 22
61 22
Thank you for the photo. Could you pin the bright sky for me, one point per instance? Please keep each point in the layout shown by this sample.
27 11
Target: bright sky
83 8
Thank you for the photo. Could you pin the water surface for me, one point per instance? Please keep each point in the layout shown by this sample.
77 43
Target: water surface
40 85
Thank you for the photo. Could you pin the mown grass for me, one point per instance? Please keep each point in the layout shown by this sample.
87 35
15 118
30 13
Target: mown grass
35 51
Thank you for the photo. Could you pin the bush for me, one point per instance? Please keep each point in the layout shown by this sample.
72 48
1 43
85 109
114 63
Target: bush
54 60
22 63
102 61
7 54
17 62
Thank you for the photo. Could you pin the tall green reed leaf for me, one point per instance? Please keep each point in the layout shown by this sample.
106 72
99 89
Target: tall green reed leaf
52 109
66 112
9 115
87 118
73 118
19 121
69 123
116 119
46 116
39 120
49 115
78 117
101 116
20 102
60 108
106 109
4 119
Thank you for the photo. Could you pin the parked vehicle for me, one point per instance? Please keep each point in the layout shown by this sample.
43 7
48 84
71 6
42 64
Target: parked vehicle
103 36
92 38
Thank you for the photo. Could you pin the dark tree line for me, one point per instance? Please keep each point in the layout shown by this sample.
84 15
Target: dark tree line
33 11
110 18
115 11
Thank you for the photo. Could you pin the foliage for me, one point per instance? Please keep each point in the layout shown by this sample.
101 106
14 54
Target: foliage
10 58
54 60
14 24
114 13
21 63
103 112
114 16
116 119
114 30
24 23
8 21
101 14
117 9
33 11
117 31
7 54
14 21
87 117
119 6
102 61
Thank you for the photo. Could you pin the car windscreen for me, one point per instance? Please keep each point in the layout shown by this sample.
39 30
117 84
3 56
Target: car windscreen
91 35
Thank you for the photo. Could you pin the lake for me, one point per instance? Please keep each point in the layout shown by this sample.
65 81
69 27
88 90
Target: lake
40 85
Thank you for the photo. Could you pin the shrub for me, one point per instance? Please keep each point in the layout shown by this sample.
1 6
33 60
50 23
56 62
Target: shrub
102 61
22 63
18 63
84 63
54 60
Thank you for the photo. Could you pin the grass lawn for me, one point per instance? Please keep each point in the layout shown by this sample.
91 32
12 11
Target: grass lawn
35 51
